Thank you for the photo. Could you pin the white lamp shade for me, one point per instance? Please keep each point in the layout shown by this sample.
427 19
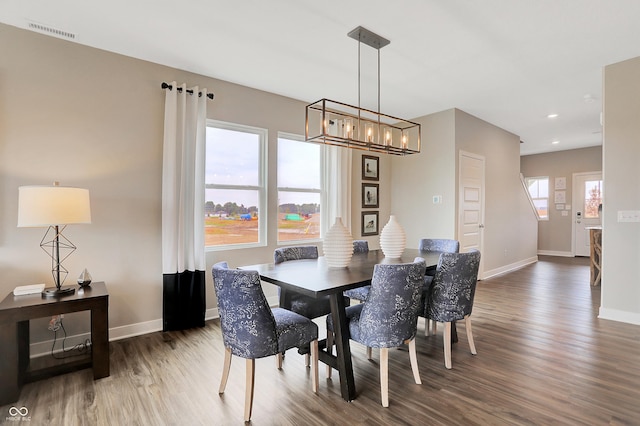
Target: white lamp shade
40 206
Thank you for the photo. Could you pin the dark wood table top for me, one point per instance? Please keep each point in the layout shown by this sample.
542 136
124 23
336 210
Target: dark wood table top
314 278
96 289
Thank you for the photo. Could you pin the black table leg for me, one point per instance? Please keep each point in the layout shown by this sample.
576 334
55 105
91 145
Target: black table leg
341 337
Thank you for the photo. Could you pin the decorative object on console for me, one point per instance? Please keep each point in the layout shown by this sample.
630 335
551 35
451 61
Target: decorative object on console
393 239
338 245
336 123
54 207
84 280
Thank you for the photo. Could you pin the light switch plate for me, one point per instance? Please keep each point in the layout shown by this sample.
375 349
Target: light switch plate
628 216
437 199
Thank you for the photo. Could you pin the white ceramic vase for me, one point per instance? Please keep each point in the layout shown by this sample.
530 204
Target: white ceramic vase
393 239
338 245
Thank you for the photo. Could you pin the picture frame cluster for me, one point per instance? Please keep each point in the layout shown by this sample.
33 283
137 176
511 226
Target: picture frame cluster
370 194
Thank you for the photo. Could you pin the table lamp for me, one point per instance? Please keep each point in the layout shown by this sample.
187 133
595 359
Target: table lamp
54 207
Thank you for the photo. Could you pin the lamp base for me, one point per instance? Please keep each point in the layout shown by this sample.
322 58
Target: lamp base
57 292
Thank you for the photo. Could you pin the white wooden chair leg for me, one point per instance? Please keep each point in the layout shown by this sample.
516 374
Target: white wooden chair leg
414 361
467 328
427 324
369 353
447 345
314 365
307 360
384 376
434 327
279 361
225 370
329 351
250 380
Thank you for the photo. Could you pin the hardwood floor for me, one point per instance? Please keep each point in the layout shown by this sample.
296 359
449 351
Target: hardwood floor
543 358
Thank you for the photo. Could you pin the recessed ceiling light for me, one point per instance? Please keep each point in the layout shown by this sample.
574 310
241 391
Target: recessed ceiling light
552 116
555 142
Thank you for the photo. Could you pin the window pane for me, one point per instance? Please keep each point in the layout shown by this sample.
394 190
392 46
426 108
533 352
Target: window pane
542 207
232 157
592 198
298 164
532 184
543 188
298 215
231 216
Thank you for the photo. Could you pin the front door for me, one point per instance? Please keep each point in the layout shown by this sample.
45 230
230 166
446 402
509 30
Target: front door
587 197
471 203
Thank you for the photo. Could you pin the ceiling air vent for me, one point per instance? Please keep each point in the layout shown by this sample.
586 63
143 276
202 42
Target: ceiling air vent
51 31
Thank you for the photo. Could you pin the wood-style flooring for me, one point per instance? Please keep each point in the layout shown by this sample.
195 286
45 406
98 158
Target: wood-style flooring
544 358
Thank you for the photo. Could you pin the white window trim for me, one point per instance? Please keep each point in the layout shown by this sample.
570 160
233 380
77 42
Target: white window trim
532 199
261 187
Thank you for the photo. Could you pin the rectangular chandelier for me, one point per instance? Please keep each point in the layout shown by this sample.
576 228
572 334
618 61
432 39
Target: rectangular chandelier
336 123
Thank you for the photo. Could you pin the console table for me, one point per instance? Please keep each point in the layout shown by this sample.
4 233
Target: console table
15 313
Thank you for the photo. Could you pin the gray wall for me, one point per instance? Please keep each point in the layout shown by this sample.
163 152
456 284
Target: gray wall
555 234
510 233
621 176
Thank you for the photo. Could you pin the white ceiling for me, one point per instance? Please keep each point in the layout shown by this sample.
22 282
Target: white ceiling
508 62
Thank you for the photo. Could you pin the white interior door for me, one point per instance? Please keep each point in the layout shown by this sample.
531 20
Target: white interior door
587 196
471 203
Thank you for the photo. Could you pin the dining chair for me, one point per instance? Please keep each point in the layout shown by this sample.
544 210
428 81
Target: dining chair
442 245
389 316
307 306
251 329
451 296
302 304
360 293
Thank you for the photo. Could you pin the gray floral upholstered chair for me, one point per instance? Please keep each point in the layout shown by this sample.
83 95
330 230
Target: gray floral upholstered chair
360 293
304 305
451 295
251 329
440 245
389 316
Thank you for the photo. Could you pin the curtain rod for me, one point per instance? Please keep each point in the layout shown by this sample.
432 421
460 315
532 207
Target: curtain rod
189 91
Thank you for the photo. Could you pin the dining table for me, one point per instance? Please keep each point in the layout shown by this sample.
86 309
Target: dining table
313 277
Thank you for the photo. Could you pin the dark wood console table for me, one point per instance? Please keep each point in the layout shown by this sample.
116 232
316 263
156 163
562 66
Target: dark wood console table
15 313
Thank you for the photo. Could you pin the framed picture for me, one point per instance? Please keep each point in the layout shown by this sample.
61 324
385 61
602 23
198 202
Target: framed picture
370 167
370 195
369 223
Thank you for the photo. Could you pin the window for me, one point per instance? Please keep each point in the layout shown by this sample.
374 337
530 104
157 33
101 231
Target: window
592 198
299 189
539 191
235 195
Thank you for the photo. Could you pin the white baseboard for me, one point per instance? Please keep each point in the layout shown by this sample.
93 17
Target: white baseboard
508 268
43 348
620 316
555 253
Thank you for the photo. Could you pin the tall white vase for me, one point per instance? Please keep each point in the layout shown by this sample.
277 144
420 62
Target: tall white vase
393 239
338 245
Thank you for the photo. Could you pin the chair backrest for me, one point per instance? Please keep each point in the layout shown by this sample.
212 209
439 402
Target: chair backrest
453 286
389 316
443 245
284 254
360 246
247 322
